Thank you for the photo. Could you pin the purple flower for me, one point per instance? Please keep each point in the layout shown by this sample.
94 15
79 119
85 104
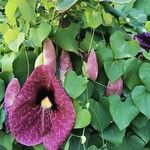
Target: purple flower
41 112
143 39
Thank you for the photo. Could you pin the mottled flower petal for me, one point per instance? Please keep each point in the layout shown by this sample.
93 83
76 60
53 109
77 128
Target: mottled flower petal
30 124
65 64
143 39
11 93
92 66
49 54
115 87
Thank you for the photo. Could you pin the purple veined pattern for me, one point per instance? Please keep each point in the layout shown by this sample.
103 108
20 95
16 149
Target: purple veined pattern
31 121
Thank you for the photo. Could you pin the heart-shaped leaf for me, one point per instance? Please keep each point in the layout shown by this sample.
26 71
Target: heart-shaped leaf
141 98
122 48
75 85
144 74
122 112
114 69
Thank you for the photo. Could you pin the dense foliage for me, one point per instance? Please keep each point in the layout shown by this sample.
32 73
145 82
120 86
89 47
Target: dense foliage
105 120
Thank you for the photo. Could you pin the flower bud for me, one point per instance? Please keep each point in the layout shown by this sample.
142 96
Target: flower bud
92 66
65 64
115 87
49 54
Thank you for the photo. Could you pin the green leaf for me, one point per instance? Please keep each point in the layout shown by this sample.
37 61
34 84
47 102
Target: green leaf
10 35
147 26
122 48
68 43
6 62
100 115
114 69
114 135
6 76
2 89
121 1
3 28
63 5
144 74
75 85
2 117
122 112
14 45
39 147
10 10
38 35
27 8
6 140
92 147
144 132
131 69
39 60
83 118
141 97
84 45
93 17
146 55
23 65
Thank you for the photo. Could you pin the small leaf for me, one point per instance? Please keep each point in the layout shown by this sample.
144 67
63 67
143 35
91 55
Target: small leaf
122 48
75 85
83 118
144 74
6 140
114 135
114 69
141 97
27 8
122 112
39 147
63 5
93 17
68 43
146 55
23 65
37 36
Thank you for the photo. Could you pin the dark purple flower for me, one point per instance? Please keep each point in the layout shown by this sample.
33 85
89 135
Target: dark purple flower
65 64
115 87
42 111
143 39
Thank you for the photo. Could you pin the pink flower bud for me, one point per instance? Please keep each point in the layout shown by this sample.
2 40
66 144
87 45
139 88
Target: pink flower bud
65 64
114 88
49 54
92 66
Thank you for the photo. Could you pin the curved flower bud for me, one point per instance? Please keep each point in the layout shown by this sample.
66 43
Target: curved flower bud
114 88
143 39
11 93
43 112
92 66
65 64
49 54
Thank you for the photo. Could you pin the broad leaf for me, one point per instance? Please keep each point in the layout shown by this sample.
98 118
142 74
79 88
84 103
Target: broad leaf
122 112
114 69
68 43
75 85
141 98
121 1
113 134
100 115
144 74
63 5
122 48
83 118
